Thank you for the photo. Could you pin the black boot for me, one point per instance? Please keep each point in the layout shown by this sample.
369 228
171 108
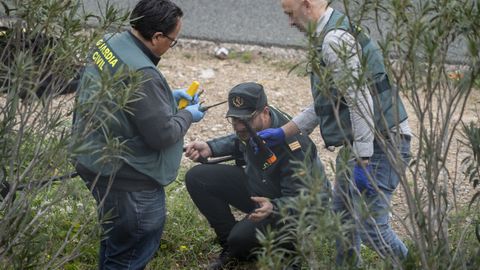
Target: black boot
224 261
294 266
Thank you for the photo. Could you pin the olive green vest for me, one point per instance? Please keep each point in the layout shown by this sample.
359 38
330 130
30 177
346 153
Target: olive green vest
389 110
111 54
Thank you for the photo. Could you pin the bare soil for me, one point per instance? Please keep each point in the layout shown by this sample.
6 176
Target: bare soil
195 60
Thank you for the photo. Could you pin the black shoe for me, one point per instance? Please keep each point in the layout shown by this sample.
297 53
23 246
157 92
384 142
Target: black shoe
295 266
224 261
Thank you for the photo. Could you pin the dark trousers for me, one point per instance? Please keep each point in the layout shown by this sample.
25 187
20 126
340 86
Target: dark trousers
132 223
213 188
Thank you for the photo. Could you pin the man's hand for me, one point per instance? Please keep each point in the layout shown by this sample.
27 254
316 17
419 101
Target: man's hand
263 211
272 136
361 175
197 149
195 110
182 93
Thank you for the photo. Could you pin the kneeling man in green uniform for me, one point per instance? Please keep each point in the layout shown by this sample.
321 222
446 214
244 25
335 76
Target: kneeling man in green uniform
264 184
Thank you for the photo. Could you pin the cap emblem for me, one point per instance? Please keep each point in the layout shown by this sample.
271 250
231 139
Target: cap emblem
237 101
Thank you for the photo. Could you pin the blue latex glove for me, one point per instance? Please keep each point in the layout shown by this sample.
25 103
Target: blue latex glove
197 114
360 176
195 99
272 136
182 93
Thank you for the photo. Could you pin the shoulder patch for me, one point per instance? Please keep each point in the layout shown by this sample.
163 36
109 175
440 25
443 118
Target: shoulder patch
294 145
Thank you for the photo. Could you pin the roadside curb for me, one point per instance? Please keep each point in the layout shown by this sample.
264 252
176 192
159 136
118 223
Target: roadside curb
209 47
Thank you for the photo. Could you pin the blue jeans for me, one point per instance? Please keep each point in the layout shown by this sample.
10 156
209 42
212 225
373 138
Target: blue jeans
132 223
369 215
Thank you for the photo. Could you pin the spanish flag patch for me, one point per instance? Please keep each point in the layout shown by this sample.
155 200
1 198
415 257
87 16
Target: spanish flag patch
294 146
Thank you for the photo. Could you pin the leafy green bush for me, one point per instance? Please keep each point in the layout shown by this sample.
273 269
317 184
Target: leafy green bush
46 223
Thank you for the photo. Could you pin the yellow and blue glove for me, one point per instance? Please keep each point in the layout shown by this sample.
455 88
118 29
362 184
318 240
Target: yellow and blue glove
179 94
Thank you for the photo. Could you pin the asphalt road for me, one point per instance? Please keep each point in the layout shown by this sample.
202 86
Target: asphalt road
260 22
246 21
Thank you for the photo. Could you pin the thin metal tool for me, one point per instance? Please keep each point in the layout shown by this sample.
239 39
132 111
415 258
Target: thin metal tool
205 108
212 160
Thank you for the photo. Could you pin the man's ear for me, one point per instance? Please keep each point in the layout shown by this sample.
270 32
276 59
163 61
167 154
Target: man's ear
266 110
155 37
307 3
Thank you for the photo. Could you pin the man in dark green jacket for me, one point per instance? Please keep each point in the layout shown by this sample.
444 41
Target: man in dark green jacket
259 189
131 134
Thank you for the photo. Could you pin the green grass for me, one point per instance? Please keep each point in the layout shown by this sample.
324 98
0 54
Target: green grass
187 55
244 57
295 68
187 243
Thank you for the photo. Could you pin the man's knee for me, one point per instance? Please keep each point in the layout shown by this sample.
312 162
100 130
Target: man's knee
193 178
240 245
242 239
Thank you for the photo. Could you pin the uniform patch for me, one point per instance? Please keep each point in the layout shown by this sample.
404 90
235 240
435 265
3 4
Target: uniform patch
104 55
237 101
294 146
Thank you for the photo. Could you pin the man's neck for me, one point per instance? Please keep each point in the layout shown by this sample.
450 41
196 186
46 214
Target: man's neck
141 38
143 45
268 121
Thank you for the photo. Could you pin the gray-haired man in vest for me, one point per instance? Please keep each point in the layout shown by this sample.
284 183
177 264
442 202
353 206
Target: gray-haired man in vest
129 185
345 115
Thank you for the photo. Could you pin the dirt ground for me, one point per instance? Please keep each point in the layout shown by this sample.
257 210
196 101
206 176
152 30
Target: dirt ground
195 60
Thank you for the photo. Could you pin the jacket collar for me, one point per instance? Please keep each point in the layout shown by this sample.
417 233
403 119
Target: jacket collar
155 59
275 121
322 21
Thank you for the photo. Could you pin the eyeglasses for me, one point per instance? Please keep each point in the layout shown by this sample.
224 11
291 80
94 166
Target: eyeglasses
236 120
173 42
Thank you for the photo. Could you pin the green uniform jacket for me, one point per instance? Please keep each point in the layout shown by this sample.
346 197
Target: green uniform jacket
149 127
389 110
278 182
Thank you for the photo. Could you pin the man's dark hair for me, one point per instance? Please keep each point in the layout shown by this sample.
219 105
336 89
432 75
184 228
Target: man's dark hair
150 16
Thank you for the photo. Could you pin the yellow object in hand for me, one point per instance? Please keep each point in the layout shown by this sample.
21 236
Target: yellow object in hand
192 90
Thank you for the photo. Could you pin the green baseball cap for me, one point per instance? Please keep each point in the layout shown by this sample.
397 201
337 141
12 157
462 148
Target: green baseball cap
246 98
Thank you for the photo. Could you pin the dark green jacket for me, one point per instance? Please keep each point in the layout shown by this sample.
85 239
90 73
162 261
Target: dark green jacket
278 182
149 127
389 110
